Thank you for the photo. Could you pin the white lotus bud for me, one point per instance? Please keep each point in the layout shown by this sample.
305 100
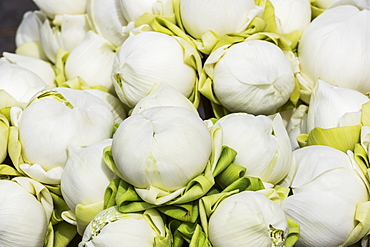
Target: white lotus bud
334 48
21 83
252 76
333 106
248 217
326 191
41 68
23 218
149 58
92 60
220 17
107 19
292 15
57 7
57 119
85 178
163 95
64 32
110 227
168 146
27 37
261 142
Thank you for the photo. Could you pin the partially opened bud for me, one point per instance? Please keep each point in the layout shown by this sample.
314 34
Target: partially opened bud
57 119
334 106
64 32
327 193
262 145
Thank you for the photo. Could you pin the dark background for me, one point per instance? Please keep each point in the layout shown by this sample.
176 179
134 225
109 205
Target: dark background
11 13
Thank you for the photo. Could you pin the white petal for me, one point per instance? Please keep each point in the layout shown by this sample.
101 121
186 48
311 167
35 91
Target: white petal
41 68
107 19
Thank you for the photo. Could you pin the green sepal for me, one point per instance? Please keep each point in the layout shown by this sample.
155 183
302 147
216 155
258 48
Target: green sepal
362 224
59 207
315 10
293 234
15 149
341 138
86 213
187 212
7 172
230 174
361 158
60 235
365 114
192 233
163 241
123 195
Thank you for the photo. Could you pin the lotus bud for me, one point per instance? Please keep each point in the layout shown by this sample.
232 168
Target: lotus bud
327 191
323 57
41 68
333 106
112 102
170 145
92 60
27 37
220 17
55 120
65 32
248 217
20 83
132 9
163 95
292 15
85 178
110 227
107 19
56 7
261 142
149 58
23 218
252 76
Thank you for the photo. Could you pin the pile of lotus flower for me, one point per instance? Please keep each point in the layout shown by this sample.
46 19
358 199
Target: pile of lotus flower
187 123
